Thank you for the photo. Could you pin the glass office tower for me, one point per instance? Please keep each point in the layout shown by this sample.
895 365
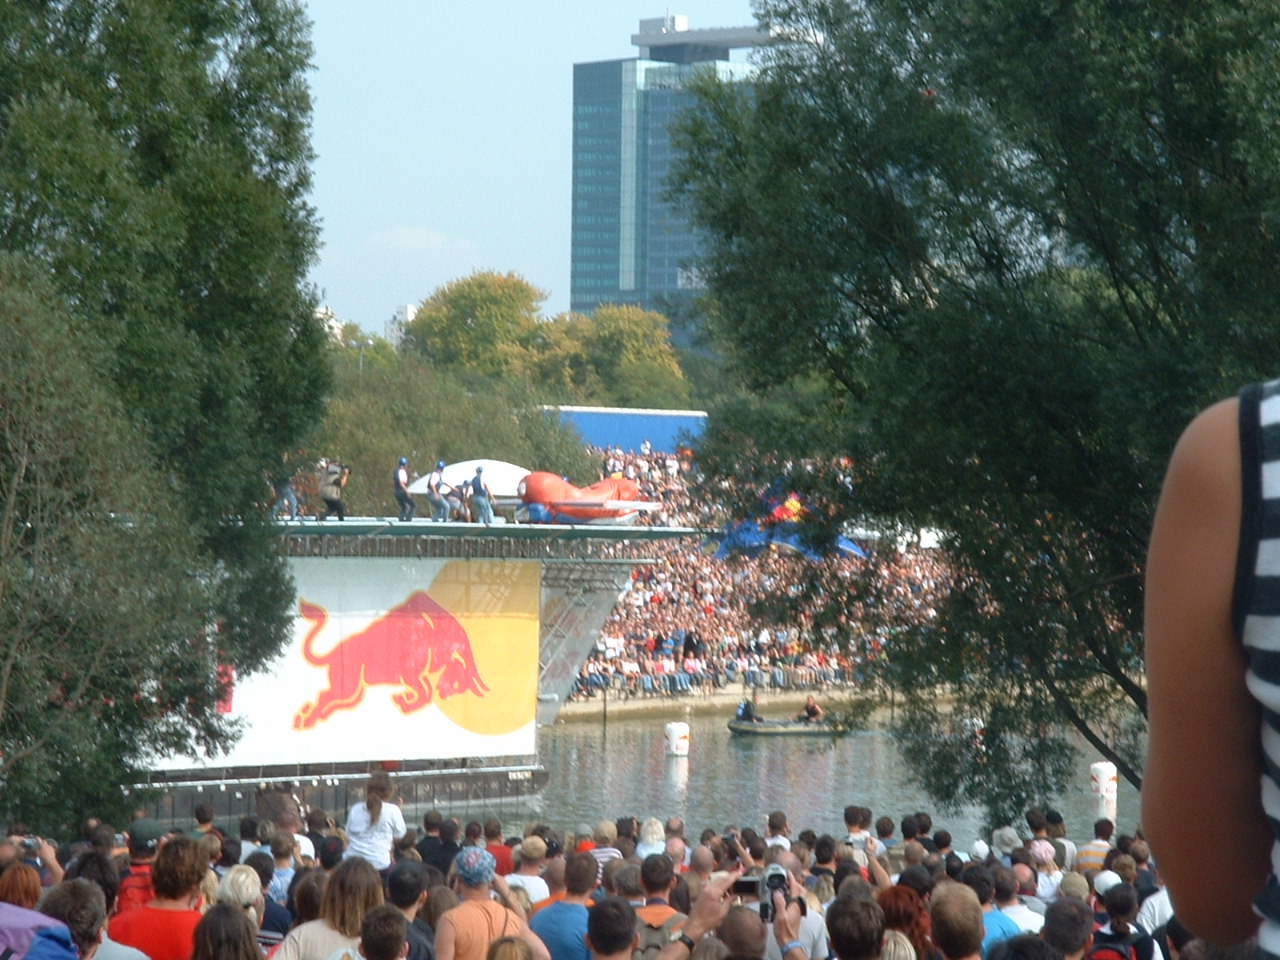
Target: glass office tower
629 244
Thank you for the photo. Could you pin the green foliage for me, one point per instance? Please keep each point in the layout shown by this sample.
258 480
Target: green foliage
97 606
620 356
154 161
484 322
400 406
489 324
1017 246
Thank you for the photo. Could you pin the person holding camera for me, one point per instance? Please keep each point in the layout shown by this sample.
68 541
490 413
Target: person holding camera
784 876
716 901
335 478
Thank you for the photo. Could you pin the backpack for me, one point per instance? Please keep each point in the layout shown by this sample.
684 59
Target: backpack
1123 950
653 939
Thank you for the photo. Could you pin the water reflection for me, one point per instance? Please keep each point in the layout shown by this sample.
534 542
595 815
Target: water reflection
596 772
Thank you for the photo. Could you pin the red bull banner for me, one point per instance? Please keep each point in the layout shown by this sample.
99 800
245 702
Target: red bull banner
398 659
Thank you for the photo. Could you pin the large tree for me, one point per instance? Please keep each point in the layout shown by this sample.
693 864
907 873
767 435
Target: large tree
396 404
1016 245
490 324
106 652
154 164
619 356
483 322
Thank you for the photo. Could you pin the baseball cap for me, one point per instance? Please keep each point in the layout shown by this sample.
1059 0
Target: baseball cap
979 851
144 834
476 866
1074 885
1104 881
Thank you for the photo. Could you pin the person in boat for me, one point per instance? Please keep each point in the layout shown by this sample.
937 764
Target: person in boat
811 712
747 712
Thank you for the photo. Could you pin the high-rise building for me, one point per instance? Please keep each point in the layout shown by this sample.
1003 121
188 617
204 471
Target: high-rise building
630 245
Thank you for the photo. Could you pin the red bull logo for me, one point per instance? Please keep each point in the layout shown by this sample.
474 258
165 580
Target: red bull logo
418 647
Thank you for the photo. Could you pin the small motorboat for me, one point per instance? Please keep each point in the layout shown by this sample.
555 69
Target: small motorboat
785 728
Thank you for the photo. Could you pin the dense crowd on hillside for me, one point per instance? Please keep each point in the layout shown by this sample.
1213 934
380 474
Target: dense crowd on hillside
302 887
684 624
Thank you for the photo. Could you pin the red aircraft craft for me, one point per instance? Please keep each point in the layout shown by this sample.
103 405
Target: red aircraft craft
549 498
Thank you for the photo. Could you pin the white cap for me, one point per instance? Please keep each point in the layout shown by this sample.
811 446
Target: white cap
1104 881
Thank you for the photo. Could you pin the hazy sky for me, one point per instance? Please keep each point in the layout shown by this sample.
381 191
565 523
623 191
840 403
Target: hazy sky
443 135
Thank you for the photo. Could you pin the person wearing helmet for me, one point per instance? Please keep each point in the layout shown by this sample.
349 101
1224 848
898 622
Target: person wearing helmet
405 499
480 497
436 490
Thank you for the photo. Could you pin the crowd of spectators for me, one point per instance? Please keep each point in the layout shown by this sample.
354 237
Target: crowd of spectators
685 624
309 889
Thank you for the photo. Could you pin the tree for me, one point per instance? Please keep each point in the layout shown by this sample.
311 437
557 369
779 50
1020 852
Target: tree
96 613
402 406
620 356
154 162
483 322
1019 245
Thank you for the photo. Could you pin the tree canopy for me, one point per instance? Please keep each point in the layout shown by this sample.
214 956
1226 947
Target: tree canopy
401 406
490 324
1014 247
95 612
484 322
620 355
154 165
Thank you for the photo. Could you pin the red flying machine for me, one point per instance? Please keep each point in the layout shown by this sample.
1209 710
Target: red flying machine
548 498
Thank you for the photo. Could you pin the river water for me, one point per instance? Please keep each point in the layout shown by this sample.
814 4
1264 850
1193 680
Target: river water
600 772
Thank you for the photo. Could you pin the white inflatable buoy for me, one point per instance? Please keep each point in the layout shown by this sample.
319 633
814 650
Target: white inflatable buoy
1104 786
677 739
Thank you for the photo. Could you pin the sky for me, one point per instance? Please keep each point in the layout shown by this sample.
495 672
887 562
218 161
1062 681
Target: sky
442 130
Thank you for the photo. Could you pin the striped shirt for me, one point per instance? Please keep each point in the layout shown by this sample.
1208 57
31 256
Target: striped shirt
1256 608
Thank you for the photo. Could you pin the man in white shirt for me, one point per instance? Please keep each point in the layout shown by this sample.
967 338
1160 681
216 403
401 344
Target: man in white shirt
778 831
1006 897
530 856
812 934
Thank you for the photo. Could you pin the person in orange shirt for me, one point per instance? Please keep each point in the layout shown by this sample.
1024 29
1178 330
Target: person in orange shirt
164 928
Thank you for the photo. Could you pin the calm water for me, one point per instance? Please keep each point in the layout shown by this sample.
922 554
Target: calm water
735 780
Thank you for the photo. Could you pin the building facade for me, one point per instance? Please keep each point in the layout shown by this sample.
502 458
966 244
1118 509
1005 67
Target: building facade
629 243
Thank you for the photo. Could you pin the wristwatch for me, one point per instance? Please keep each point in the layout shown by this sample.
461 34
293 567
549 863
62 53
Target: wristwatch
679 936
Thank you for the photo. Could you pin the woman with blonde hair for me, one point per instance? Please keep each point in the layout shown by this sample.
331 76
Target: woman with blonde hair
520 896
353 889
1048 873
509 948
896 946
242 887
653 838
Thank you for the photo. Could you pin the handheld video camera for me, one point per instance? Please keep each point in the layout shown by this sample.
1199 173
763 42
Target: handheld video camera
776 878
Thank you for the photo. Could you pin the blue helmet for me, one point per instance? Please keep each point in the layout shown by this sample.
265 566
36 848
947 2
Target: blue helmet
404 461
